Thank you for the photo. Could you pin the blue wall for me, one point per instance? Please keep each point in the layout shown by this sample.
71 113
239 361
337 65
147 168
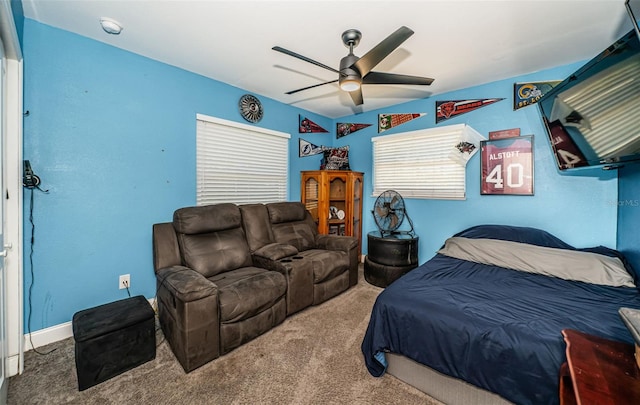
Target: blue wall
112 135
628 203
18 18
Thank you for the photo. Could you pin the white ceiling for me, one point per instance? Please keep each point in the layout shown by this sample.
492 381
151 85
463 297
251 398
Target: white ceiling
459 43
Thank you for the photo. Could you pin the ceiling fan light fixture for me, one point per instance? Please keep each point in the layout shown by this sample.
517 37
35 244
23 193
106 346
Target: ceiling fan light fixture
350 84
110 26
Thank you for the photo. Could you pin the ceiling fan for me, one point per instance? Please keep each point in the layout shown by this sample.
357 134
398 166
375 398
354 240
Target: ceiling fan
356 71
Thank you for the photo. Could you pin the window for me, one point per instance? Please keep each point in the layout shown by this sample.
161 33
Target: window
419 164
240 163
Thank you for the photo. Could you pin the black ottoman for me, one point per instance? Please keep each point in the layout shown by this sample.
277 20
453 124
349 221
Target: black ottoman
113 338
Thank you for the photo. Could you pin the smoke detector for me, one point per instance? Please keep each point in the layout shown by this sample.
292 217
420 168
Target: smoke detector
110 26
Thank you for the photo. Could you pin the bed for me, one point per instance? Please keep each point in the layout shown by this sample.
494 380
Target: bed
489 308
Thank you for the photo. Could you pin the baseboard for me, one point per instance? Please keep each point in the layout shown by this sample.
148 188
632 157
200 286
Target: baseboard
48 335
55 333
13 365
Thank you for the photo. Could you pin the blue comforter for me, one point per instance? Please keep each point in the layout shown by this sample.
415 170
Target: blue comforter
494 327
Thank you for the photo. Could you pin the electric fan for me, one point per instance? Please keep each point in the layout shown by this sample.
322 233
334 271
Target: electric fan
389 212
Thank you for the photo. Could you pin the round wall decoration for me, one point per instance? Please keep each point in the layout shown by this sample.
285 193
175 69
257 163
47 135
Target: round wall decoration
250 108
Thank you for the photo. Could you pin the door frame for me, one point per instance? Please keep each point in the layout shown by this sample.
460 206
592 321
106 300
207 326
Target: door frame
13 207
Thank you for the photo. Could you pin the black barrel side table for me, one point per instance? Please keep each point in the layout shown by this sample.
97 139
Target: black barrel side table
389 257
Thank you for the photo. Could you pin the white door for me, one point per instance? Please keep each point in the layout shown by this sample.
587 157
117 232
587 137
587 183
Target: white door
3 252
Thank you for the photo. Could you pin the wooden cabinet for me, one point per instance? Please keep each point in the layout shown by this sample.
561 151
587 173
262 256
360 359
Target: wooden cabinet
334 198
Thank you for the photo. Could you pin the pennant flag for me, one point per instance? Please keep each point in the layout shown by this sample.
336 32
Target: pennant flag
307 148
344 129
525 94
449 109
308 126
388 121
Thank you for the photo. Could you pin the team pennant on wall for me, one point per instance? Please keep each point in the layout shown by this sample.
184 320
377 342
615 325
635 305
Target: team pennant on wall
388 121
453 108
308 126
306 148
344 129
525 94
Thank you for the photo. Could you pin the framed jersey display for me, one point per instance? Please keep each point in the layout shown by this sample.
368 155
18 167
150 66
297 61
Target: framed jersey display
506 166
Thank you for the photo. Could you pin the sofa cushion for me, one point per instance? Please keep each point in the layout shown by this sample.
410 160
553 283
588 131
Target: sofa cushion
216 252
298 234
245 292
257 228
286 212
206 218
327 264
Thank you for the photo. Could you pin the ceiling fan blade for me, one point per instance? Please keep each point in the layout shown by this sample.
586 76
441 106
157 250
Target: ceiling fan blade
356 96
304 58
310 87
380 51
391 78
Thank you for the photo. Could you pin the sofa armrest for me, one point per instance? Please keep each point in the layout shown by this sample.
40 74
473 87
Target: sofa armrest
185 284
188 312
276 251
336 242
347 244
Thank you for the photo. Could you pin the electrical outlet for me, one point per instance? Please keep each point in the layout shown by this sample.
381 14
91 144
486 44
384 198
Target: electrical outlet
125 281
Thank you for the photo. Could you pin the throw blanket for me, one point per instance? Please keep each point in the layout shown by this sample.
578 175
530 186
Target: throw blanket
565 264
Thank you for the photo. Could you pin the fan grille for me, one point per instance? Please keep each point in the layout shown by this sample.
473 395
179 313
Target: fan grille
389 211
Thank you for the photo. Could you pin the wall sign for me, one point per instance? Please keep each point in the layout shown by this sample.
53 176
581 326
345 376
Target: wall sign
250 108
506 166
525 94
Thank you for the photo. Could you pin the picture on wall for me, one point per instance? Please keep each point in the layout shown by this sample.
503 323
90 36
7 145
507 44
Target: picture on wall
467 145
506 166
525 94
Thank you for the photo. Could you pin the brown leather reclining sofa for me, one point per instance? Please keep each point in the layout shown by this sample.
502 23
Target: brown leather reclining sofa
227 273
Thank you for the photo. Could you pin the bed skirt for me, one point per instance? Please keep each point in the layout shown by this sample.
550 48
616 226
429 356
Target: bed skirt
446 389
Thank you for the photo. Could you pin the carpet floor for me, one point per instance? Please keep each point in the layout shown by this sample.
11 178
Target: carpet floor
313 357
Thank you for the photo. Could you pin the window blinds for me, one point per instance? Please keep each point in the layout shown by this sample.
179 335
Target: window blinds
418 164
240 163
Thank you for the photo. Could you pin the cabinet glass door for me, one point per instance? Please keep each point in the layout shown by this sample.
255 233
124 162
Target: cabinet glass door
357 208
337 206
310 196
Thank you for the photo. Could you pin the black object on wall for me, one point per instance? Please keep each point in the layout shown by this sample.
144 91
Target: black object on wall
29 178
